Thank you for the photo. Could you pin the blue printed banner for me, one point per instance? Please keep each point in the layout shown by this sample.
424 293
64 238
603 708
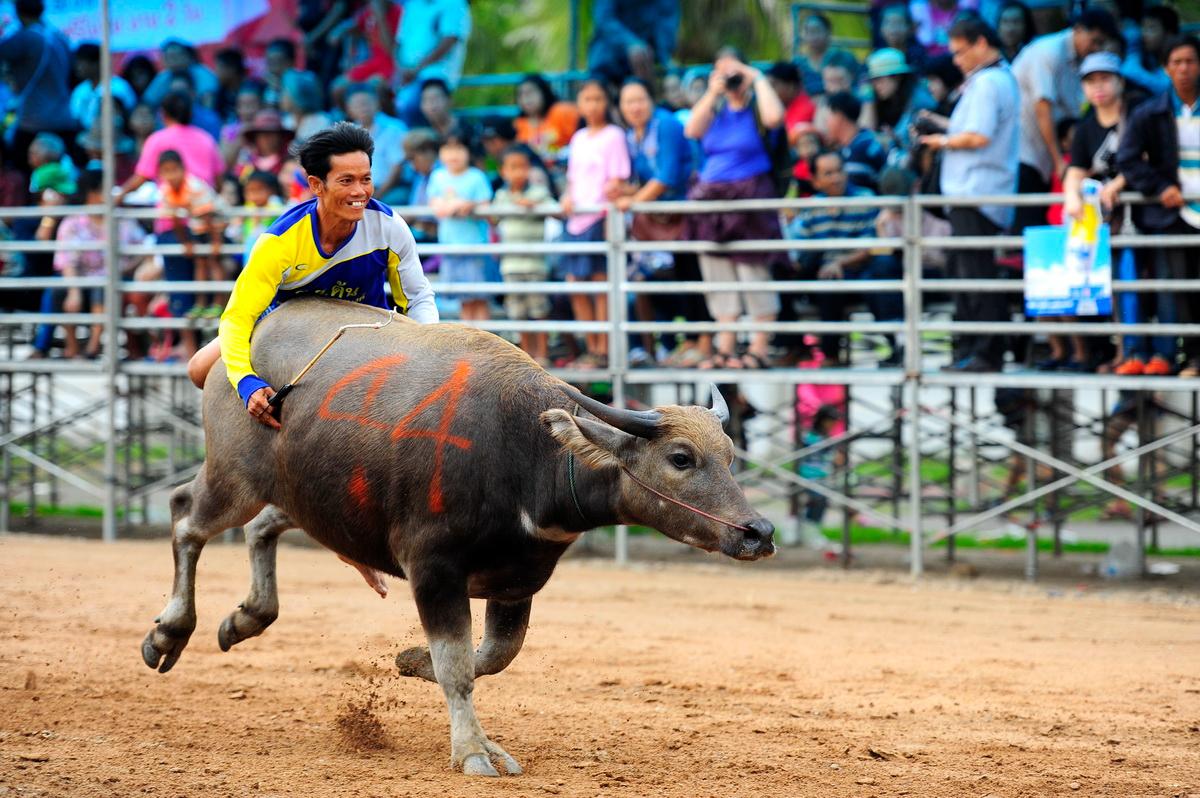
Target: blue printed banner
1054 289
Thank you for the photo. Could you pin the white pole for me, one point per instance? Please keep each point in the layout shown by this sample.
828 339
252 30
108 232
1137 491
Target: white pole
112 300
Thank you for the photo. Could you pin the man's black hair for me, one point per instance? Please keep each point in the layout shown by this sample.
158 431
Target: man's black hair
30 9
267 179
232 58
970 27
90 180
817 156
1098 19
315 152
177 106
784 71
285 46
438 82
170 156
1182 40
846 104
88 51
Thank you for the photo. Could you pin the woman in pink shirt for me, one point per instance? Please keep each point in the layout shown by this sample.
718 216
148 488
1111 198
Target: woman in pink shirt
598 159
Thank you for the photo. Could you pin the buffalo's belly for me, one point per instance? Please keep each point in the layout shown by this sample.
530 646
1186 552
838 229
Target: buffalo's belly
515 574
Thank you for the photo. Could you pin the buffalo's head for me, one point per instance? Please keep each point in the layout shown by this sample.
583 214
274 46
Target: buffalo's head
681 452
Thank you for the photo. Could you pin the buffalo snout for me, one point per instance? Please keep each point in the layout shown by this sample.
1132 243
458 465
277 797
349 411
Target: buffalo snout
754 543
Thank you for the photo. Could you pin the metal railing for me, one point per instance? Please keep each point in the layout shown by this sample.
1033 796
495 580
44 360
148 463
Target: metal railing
913 378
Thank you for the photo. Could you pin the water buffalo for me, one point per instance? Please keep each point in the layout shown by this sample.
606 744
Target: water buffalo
446 456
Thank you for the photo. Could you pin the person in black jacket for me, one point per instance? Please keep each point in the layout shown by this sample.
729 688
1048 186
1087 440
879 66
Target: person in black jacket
1160 141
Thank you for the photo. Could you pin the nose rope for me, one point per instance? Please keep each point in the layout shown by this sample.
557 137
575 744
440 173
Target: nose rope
685 505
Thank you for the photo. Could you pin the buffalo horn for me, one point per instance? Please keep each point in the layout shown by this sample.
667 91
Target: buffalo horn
719 408
642 423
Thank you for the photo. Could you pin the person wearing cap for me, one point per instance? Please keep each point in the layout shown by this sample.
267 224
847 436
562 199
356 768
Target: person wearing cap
895 97
266 141
1047 71
1159 153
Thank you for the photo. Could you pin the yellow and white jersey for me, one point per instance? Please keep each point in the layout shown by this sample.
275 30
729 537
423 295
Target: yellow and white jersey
287 261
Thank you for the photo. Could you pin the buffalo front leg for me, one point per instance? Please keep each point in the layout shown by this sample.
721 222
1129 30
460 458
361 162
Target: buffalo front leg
261 607
445 614
197 515
503 635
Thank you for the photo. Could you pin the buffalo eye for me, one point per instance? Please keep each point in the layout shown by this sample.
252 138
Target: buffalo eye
681 461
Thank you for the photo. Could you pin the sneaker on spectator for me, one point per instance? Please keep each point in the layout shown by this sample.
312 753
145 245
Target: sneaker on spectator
1131 367
194 312
1157 367
213 312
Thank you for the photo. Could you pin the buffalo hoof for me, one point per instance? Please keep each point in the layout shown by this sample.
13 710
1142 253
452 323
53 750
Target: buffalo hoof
242 624
416 662
478 765
162 647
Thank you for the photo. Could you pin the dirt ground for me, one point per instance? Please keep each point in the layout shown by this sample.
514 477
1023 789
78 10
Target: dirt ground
710 679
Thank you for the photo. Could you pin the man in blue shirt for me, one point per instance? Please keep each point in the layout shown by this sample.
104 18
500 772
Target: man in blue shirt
38 59
980 158
864 157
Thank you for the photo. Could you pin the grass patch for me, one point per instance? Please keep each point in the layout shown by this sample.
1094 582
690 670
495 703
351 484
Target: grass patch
61 511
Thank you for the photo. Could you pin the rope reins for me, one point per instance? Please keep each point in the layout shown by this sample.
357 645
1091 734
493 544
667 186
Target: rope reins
644 486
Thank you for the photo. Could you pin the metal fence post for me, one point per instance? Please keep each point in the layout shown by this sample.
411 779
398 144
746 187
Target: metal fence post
912 375
113 295
615 223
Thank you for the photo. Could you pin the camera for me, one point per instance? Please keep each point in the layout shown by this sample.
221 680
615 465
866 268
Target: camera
924 126
734 81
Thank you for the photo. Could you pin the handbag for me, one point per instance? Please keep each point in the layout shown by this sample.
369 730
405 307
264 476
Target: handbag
658 226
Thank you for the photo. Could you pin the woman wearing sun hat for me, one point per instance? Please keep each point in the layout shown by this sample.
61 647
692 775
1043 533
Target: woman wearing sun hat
266 147
894 95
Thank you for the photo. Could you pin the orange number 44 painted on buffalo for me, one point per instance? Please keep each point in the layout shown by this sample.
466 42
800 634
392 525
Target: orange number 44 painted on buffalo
376 373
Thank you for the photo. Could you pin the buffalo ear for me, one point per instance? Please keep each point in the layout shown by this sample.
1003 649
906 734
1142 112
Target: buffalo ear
594 443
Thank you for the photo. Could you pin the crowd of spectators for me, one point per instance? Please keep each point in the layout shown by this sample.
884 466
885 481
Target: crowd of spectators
959 97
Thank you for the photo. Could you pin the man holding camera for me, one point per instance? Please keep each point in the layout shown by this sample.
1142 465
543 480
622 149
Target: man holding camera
980 157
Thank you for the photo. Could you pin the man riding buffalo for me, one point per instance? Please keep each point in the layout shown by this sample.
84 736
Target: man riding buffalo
343 244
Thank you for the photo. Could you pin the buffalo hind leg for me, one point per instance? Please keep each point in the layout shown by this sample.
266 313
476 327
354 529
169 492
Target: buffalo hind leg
445 612
197 515
503 634
261 607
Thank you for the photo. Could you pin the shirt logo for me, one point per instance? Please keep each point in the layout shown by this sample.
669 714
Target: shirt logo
301 267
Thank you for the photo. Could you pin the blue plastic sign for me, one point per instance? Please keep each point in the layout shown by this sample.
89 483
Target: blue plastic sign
1058 285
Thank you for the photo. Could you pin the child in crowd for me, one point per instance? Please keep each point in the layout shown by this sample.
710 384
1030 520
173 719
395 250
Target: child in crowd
191 211
517 193
454 190
89 229
818 467
420 157
599 157
261 191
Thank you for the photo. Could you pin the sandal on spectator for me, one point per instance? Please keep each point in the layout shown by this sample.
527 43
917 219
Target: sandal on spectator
720 360
753 360
1190 369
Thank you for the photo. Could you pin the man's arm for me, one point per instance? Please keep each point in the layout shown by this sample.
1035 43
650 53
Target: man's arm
252 294
1139 173
411 291
1045 123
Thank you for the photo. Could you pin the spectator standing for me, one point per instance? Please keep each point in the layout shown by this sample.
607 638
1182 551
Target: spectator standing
231 140
367 42
598 158
1158 156
817 52
231 75
82 229
362 108
179 58
1014 26
737 165
660 166
545 122
629 37
799 109
318 20
898 31
1047 71
979 158
431 42
830 179
197 148
420 155
455 189
1144 63
437 108
303 104
87 94
190 207
897 96
519 194
864 157
38 59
